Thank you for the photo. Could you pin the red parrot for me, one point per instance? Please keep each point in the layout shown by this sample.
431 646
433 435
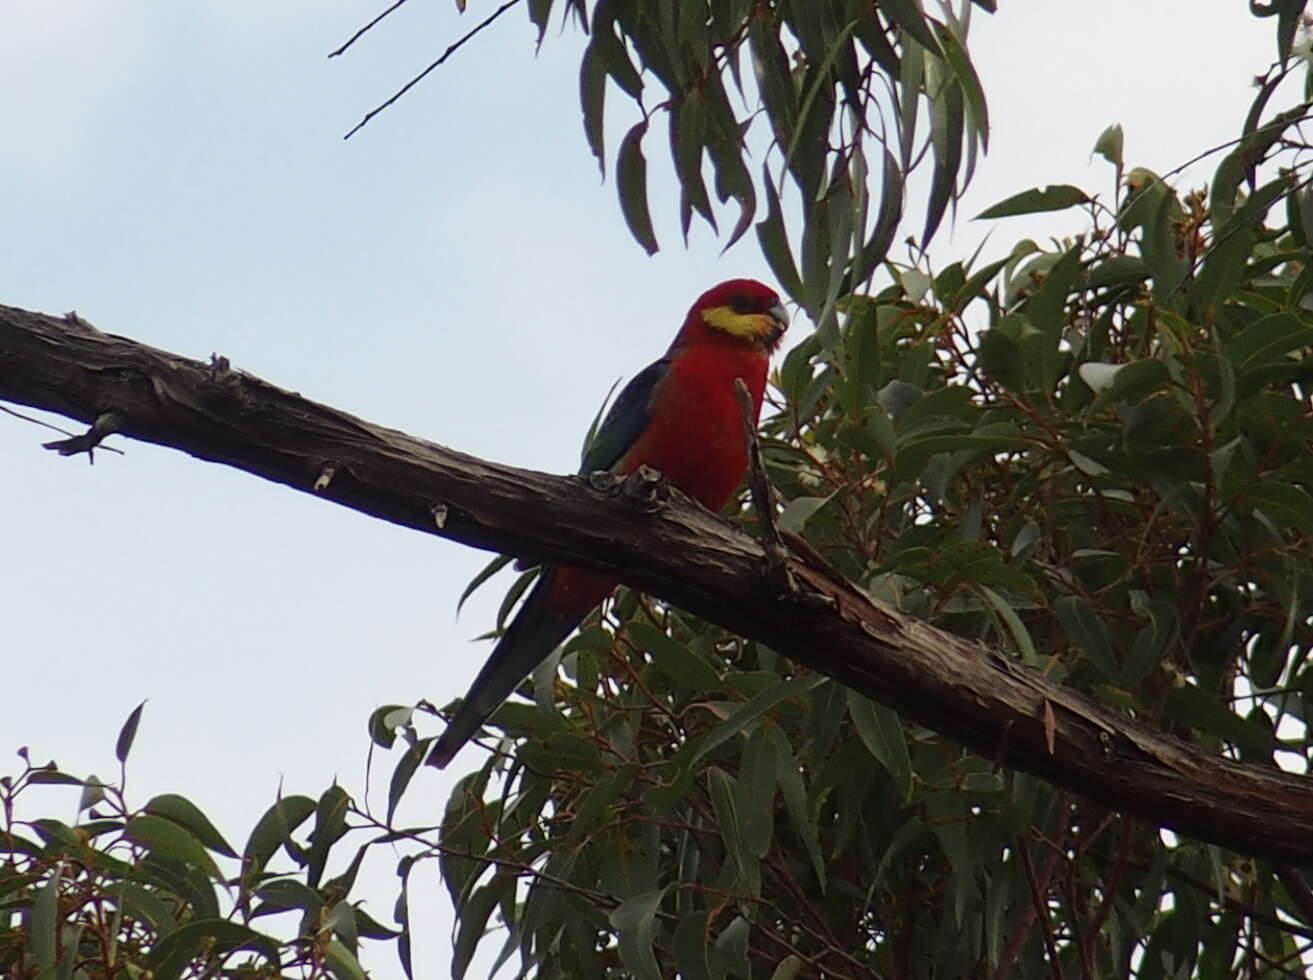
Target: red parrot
680 416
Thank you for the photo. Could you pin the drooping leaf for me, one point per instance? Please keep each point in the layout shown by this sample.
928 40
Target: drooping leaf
631 182
1055 197
882 733
1087 629
1287 505
673 659
635 923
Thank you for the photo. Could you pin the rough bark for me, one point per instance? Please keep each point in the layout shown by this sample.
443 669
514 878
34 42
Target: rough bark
658 542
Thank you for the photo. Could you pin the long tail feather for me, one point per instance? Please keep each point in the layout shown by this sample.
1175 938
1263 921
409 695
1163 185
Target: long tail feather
537 629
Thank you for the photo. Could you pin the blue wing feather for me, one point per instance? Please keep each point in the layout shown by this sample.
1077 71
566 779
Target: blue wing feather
626 420
537 628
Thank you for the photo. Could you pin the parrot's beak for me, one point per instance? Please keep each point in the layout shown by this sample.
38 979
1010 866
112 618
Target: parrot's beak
779 318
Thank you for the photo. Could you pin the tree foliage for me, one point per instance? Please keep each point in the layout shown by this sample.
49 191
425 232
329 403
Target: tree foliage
1094 454
835 90
156 891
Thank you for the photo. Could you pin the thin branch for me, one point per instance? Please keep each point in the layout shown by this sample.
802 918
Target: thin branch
1298 890
763 498
365 30
105 424
451 49
1041 907
55 428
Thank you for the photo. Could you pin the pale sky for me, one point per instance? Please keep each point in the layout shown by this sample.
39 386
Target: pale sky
176 174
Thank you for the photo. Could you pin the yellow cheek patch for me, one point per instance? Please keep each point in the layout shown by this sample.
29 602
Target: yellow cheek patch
746 325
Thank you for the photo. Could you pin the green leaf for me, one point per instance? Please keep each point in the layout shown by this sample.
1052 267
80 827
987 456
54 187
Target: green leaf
691 947
404 771
127 733
1267 340
730 828
732 947
881 732
861 362
485 573
330 827
1123 382
612 53
946 123
1110 144
186 814
788 968
513 594
289 893
168 839
956 56
539 11
631 182
1000 356
754 792
907 15
342 963
800 510
795 801
53 777
975 286
1055 197
596 804
215 935
464 837
1190 704
912 453
1150 642
45 909
635 923
472 915
1087 630
1285 504
1025 645
673 659
774 242
1118 270
146 905
93 791
876 249
272 830
592 99
57 835
1224 266
384 722
746 715
1047 308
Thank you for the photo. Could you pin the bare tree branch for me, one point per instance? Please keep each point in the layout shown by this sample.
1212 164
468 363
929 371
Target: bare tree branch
672 549
436 63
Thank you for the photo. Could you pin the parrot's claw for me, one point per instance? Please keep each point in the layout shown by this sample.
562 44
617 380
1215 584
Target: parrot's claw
647 489
604 481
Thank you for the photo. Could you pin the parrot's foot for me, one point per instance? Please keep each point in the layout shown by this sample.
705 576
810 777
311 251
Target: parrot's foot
647 489
604 481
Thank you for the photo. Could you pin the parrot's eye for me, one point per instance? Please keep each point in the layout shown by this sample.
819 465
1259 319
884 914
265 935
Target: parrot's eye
741 304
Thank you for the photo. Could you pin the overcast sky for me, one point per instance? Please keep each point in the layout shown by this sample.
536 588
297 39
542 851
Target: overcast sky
175 172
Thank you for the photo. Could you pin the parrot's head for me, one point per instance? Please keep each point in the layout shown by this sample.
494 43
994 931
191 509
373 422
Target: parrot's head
740 310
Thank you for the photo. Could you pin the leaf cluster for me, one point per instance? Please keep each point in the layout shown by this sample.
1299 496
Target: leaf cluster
782 106
157 892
